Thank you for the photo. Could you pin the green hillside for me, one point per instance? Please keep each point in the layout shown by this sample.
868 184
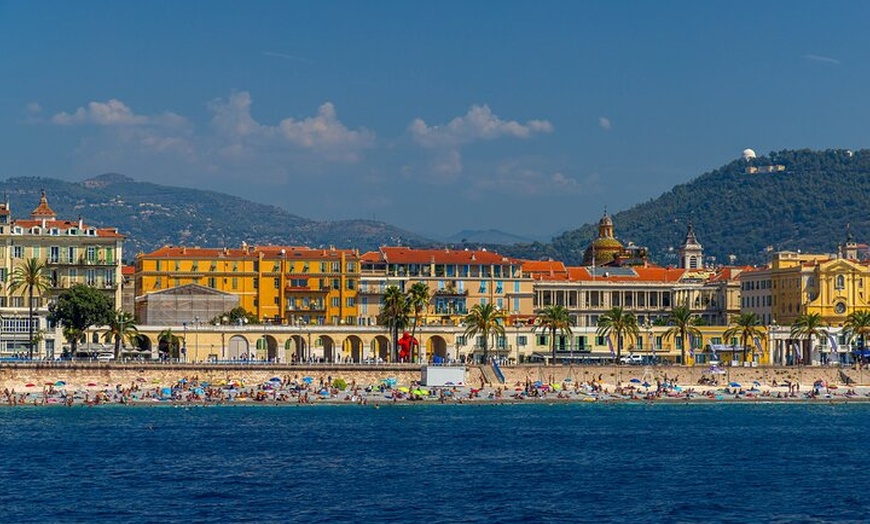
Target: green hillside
152 216
806 207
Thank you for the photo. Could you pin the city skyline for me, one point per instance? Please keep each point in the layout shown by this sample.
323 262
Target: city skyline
431 117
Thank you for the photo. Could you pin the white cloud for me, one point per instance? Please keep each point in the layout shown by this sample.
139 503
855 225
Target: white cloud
478 124
604 123
323 133
33 108
115 113
819 58
517 178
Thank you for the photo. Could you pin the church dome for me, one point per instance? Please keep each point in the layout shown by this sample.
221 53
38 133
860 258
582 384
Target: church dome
602 251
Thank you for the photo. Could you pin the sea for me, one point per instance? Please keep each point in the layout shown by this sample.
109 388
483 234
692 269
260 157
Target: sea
409 463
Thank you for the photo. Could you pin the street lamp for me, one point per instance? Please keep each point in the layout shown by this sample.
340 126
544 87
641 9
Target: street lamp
517 324
183 342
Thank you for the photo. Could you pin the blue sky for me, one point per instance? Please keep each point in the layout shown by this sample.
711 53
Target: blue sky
529 117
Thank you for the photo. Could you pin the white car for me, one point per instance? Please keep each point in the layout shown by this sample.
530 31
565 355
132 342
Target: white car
105 357
631 359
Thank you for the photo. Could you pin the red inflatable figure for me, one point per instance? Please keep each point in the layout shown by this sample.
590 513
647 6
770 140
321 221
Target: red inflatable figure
406 343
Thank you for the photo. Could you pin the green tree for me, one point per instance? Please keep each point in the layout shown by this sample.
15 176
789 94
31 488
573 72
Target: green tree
418 299
746 326
170 343
618 322
237 315
485 320
122 326
809 326
29 275
395 312
858 325
79 308
556 320
683 325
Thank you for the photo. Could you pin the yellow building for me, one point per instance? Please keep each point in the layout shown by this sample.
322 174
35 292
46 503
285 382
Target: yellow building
794 284
278 284
457 280
73 252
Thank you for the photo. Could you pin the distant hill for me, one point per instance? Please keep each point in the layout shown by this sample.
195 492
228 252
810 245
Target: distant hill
806 206
490 236
152 216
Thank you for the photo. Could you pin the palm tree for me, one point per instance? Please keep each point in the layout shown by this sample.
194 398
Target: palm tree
122 326
394 313
746 326
484 319
418 300
683 325
620 323
809 326
858 324
30 274
555 319
171 341
72 335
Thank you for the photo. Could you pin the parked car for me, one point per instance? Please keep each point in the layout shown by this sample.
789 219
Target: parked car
105 357
631 359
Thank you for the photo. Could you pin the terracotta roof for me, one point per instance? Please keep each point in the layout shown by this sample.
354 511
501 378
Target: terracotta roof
250 252
404 255
43 210
637 274
64 225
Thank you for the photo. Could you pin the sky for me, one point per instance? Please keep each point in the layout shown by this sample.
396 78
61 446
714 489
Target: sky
440 116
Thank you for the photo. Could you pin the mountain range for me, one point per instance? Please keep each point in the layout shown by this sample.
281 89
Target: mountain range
794 199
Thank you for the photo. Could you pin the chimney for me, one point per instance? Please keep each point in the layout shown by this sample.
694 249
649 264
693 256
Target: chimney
81 225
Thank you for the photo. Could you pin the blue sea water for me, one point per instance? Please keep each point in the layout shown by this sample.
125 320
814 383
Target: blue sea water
437 463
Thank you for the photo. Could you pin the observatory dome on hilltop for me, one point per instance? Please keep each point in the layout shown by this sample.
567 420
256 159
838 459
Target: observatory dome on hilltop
748 154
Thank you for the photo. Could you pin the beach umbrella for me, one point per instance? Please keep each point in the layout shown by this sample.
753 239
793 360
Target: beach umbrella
92 385
275 379
404 389
30 385
204 384
166 392
182 381
140 379
539 384
756 383
646 384
735 384
635 381
308 380
60 383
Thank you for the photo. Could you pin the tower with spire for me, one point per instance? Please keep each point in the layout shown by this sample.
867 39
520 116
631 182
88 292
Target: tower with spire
691 252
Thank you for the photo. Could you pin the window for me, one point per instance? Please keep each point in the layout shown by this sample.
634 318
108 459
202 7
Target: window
522 340
277 283
335 301
235 282
482 286
336 283
70 254
841 282
350 284
256 283
92 277
542 340
92 254
54 254
17 252
350 301
460 340
212 282
336 267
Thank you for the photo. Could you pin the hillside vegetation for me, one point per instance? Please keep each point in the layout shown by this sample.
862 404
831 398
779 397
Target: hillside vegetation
152 216
806 207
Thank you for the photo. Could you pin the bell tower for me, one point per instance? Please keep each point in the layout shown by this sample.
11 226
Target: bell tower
691 252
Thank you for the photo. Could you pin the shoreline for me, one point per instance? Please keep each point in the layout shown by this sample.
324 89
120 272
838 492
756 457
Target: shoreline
191 385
